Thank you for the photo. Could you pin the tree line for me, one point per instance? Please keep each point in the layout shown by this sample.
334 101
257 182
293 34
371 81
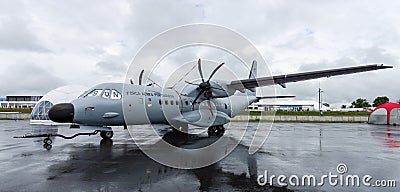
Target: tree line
362 102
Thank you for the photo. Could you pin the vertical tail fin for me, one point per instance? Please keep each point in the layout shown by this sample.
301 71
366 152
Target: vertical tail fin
253 70
253 73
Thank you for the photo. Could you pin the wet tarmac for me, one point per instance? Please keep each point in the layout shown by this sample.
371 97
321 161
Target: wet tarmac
88 163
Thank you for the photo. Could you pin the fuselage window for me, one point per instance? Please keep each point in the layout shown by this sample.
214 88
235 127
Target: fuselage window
166 102
115 94
159 102
172 102
94 93
149 99
186 103
226 106
177 103
106 93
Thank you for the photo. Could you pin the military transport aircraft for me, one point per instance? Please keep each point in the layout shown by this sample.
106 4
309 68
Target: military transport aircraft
208 103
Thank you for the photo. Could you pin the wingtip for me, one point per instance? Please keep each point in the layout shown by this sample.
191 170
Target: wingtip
383 66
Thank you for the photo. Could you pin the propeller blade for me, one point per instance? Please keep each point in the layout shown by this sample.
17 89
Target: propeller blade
195 99
153 82
200 71
191 83
215 70
141 76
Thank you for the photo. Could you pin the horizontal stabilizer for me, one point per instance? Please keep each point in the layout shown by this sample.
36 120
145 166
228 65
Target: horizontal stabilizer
276 97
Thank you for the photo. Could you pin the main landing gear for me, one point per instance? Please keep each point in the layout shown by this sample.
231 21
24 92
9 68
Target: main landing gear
217 130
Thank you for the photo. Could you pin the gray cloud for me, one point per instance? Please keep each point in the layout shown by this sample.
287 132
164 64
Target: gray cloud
88 43
344 89
111 67
14 35
16 32
376 55
28 78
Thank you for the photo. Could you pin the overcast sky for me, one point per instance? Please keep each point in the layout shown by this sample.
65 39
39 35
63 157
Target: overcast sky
46 44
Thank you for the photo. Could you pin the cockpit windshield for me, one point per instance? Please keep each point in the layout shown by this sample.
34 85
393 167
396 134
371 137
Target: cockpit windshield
111 94
106 94
94 93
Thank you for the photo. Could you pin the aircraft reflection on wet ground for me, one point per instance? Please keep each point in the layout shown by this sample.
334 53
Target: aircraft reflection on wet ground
87 164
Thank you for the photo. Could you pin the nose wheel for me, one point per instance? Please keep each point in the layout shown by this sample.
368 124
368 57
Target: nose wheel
106 134
47 143
47 146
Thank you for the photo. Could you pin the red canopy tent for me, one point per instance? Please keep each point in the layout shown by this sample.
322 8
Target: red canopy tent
385 114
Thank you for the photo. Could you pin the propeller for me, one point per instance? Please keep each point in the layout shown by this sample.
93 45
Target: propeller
205 86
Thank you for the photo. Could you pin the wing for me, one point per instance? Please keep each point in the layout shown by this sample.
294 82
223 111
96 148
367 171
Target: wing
283 79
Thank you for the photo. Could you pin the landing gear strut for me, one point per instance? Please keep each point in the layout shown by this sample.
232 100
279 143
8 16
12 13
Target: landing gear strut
217 130
106 134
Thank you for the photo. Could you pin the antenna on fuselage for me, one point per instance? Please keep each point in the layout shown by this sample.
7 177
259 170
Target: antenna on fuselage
141 76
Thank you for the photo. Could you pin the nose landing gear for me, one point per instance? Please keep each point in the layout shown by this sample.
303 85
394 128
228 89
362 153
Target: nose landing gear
47 143
217 130
106 134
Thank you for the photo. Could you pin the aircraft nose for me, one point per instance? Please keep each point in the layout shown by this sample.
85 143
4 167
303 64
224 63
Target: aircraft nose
62 113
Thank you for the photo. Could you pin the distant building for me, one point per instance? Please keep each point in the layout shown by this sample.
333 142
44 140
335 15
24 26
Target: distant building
287 105
19 101
354 109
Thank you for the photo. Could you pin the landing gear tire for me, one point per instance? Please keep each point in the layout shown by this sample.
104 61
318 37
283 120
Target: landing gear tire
47 141
106 134
217 130
210 131
220 130
47 146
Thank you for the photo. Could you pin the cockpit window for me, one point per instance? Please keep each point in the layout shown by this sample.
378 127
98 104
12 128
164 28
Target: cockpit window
84 94
94 93
115 94
106 93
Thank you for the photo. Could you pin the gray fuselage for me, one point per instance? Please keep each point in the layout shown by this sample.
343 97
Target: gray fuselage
112 104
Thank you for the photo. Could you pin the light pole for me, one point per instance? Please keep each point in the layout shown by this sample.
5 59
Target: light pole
320 100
